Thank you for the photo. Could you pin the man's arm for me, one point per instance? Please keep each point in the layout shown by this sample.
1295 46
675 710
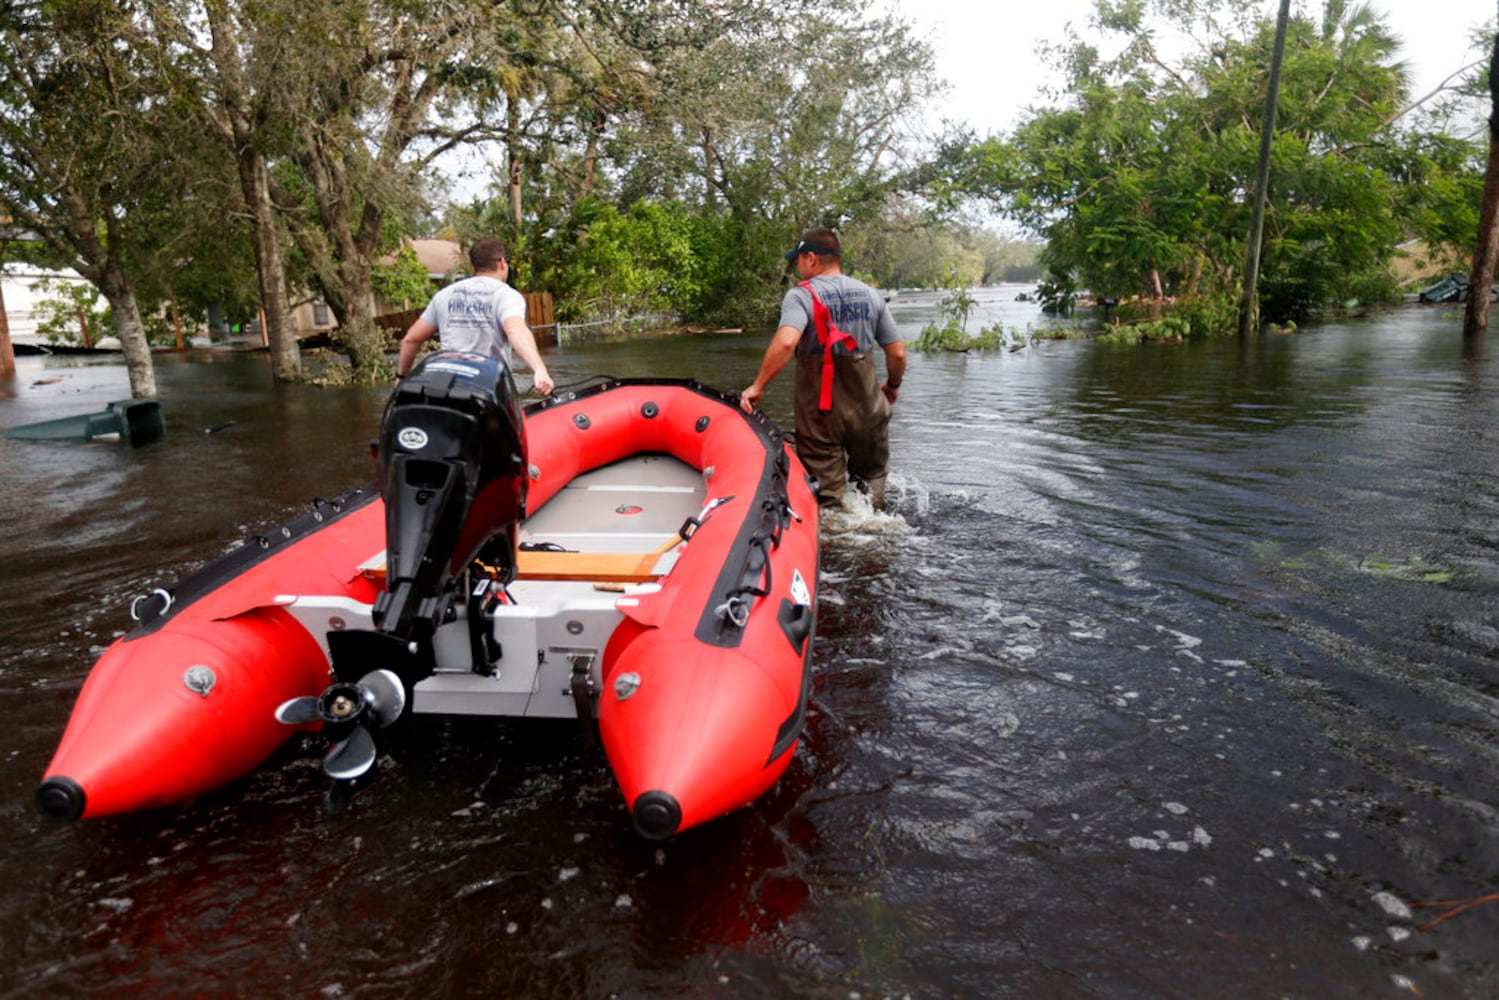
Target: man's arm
417 334
895 369
782 347
523 342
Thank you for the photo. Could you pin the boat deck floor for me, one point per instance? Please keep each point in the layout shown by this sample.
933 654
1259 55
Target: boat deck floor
617 523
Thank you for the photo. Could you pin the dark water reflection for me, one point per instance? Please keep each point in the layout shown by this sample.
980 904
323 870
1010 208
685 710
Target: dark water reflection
1173 676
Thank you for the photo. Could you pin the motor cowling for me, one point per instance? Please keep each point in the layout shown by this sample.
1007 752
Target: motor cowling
453 474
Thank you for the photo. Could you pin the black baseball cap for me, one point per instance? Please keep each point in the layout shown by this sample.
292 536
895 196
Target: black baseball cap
821 249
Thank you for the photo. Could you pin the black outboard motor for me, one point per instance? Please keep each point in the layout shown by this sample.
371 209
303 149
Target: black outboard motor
452 457
453 473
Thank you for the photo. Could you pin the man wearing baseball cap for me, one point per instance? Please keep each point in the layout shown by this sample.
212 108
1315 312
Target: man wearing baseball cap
834 325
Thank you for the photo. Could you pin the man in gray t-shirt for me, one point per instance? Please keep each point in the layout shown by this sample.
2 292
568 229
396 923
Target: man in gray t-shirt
853 307
832 324
479 315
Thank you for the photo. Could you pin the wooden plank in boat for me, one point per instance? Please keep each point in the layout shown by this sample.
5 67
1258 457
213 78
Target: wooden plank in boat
601 567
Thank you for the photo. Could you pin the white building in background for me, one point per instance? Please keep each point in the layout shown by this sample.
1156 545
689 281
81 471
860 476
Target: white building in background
20 284
21 288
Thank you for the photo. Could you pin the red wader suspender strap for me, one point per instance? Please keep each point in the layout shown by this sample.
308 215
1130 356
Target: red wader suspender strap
827 336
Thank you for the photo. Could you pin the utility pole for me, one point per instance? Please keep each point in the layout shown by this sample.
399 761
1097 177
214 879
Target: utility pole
1249 307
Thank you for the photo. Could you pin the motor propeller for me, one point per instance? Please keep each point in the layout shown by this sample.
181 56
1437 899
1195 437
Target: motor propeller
350 712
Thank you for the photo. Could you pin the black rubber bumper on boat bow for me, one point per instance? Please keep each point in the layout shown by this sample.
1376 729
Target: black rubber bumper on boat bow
657 815
61 799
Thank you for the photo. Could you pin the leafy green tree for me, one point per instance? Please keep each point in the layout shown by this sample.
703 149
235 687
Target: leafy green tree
89 157
761 123
909 246
1139 179
137 133
332 112
70 313
356 115
640 261
403 280
232 88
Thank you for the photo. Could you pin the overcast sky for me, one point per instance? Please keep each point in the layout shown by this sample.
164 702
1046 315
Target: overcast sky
986 49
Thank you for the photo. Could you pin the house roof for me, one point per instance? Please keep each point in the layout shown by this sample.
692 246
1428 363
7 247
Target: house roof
440 257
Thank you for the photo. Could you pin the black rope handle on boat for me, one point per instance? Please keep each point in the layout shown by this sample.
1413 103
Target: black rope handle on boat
754 580
736 606
778 501
777 505
777 527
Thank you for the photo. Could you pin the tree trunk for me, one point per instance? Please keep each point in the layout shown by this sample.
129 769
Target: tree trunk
235 125
7 349
286 356
513 158
710 161
129 329
1481 277
597 129
357 334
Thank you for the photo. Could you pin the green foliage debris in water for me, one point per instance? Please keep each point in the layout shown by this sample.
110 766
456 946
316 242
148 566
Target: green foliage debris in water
952 333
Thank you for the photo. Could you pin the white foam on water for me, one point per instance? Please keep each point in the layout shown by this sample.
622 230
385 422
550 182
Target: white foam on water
858 523
1392 904
1184 641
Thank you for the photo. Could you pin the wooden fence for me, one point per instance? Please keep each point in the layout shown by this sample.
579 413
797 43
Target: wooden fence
538 317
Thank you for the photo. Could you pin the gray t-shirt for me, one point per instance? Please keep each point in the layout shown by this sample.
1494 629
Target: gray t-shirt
855 308
470 315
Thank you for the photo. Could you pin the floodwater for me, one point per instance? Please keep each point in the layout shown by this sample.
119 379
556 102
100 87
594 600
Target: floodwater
1171 673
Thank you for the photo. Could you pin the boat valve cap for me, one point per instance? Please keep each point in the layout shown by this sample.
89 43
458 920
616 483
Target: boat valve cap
61 799
657 815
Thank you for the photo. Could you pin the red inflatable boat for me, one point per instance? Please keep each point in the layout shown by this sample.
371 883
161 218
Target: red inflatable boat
640 553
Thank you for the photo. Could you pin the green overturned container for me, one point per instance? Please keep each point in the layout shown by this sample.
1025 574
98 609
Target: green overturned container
132 421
